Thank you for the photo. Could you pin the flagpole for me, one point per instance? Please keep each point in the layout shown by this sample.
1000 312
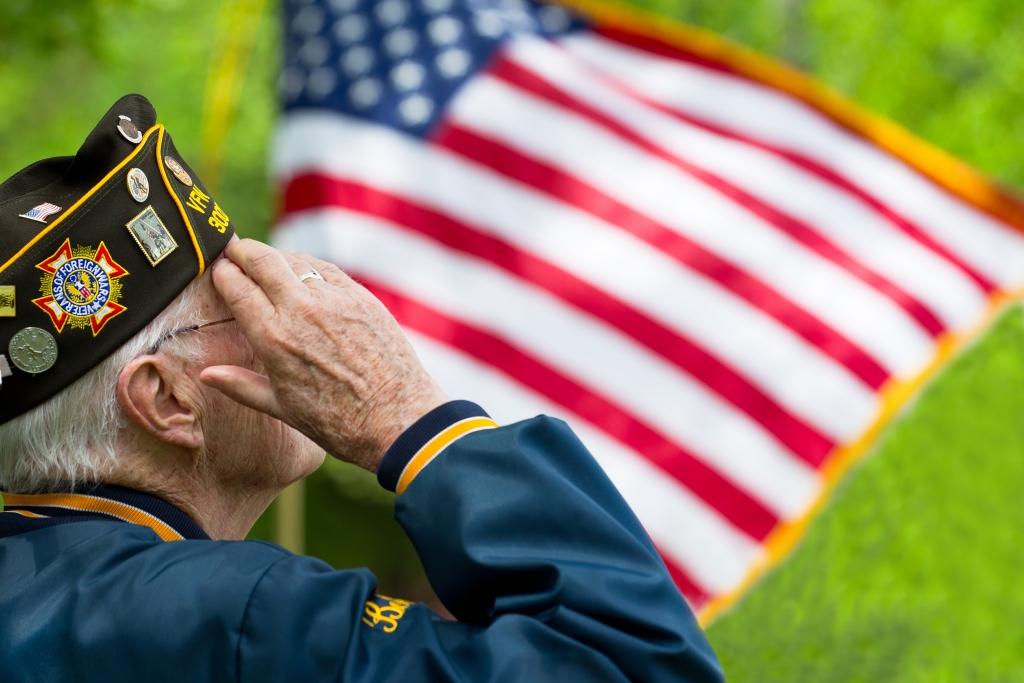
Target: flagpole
237 28
290 518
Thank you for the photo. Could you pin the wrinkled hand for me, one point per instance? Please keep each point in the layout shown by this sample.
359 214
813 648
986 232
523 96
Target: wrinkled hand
338 368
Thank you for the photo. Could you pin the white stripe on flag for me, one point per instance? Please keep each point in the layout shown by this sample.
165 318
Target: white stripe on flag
835 214
781 120
662 192
596 355
685 529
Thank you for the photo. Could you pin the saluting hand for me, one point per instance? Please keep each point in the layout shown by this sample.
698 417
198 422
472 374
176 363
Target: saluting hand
337 366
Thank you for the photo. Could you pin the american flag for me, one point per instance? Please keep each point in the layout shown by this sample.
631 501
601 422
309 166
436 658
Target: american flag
41 212
722 276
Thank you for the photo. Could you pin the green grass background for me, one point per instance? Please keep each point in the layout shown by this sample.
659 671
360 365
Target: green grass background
912 573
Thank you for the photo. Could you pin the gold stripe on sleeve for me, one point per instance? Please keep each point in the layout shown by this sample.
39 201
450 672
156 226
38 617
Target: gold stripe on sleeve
430 450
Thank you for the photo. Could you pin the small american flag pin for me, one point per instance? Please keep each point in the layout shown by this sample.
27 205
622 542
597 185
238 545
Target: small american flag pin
40 213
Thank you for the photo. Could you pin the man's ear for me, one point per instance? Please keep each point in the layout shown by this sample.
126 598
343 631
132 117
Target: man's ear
148 395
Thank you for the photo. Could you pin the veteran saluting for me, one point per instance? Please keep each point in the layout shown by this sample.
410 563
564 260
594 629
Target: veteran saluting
144 429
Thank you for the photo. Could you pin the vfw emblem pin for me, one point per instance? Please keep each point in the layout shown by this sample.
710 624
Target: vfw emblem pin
81 287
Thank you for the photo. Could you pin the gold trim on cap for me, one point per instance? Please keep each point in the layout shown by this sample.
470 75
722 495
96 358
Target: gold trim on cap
93 190
177 200
159 130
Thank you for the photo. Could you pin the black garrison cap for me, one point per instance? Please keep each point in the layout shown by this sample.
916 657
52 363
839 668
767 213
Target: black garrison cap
93 247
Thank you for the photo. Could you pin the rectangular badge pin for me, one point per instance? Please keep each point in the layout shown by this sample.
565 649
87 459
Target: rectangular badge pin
7 300
152 236
40 213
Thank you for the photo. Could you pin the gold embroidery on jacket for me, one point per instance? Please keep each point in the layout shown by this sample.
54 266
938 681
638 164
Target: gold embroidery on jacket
388 614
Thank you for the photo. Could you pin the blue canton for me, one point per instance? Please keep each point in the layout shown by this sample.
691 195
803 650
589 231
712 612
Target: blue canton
398 62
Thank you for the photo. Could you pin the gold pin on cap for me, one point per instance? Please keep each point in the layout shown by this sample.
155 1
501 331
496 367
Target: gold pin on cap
7 301
179 171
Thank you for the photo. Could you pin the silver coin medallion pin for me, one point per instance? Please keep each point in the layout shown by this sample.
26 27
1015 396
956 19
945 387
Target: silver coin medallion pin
33 350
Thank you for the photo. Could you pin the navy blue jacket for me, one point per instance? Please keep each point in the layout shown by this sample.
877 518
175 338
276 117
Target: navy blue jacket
523 537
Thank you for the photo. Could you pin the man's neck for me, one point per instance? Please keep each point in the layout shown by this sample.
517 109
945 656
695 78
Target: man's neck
223 515
224 510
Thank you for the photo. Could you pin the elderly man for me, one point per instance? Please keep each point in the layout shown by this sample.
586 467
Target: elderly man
148 422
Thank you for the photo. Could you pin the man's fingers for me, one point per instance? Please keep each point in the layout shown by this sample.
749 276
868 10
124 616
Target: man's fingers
244 386
246 301
267 267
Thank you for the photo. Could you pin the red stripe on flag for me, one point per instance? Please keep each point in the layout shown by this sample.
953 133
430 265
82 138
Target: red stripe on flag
813 167
535 84
573 191
690 589
745 513
312 191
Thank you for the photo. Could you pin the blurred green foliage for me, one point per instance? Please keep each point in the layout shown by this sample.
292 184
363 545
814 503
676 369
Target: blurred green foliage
62 69
26 32
910 574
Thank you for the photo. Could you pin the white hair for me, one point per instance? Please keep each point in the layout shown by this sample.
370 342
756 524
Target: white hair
73 436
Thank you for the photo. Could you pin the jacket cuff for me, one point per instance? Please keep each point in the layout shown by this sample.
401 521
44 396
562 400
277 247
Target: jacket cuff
426 438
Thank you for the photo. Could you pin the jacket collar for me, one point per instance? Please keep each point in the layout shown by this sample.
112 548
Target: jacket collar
25 512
